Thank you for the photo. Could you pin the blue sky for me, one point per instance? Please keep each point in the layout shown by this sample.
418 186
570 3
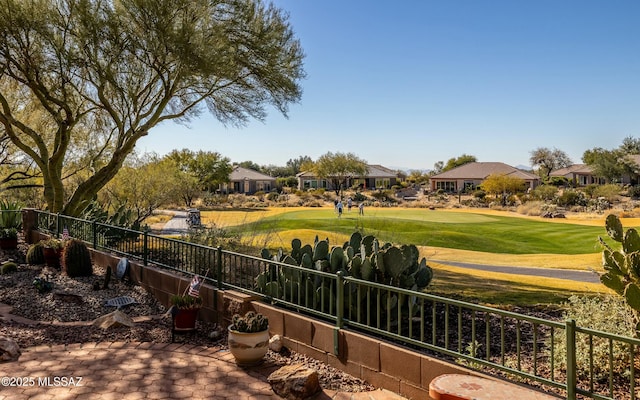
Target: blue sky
409 83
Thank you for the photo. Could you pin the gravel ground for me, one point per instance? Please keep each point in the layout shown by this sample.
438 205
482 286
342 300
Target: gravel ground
74 300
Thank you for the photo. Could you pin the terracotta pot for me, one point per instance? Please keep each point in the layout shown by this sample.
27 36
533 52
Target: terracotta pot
52 257
185 319
248 348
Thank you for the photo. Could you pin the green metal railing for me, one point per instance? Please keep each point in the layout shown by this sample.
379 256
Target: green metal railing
561 356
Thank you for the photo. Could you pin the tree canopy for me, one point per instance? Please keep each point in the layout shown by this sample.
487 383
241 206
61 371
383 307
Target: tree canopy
454 162
84 80
338 168
503 185
548 160
613 164
198 171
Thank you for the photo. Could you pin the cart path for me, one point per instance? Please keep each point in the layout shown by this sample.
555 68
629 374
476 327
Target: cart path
568 274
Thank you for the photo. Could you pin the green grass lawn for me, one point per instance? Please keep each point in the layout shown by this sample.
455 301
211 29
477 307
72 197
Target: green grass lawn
449 229
466 236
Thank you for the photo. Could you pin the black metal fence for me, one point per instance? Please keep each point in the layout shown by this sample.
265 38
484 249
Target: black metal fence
557 354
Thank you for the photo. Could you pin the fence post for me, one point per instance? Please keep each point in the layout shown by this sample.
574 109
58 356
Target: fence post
339 312
94 228
145 246
571 359
57 225
219 267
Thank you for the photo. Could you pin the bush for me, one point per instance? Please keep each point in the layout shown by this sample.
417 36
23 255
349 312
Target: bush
358 196
544 192
558 181
610 192
273 196
606 314
589 190
479 194
571 198
531 208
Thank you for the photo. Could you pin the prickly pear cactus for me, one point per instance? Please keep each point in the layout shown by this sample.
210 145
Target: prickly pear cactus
362 258
622 267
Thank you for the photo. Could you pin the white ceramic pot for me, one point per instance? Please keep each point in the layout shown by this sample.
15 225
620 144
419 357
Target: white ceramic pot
248 348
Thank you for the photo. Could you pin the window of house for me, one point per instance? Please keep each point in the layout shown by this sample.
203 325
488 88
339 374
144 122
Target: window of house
447 186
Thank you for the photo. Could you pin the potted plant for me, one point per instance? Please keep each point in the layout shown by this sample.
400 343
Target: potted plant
52 249
249 338
8 238
185 312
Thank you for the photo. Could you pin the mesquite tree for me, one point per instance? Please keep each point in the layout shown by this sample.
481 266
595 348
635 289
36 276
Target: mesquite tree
86 79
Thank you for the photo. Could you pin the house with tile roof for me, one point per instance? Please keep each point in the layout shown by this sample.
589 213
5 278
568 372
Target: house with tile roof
471 175
377 177
579 174
582 174
248 181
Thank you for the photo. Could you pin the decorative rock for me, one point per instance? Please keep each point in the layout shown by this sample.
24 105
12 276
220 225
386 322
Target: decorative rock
9 350
215 334
294 382
116 318
275 343
69 297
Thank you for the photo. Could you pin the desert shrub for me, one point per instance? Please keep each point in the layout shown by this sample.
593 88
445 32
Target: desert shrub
634 192
383 195
214 236
599 204
273 196
589 190
544 192
479 194
571 198
313 203
611 192
606 314
532 208
213 199
558 181
358 196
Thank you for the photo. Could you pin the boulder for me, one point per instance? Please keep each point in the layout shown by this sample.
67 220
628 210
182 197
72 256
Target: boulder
294 382
9 350
116 318
275 343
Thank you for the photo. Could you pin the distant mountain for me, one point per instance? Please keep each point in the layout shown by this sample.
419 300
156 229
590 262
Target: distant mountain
408 170
524 167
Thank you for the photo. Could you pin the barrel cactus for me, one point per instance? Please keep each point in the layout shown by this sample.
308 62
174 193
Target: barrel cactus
8 268
249 323
76 259
35 254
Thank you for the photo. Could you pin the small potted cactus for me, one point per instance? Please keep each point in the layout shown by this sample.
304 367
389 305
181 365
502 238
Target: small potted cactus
249 338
